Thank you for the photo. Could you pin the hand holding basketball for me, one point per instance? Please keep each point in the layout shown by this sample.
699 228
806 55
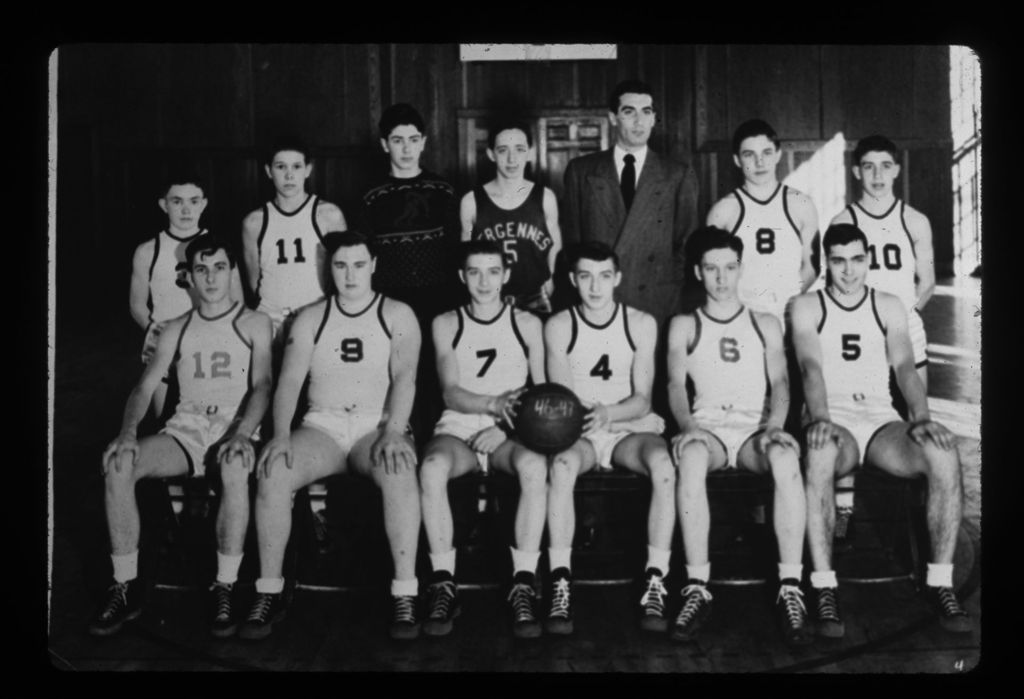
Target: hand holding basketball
504 406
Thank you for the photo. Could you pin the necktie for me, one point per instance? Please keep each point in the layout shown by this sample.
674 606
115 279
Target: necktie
628 183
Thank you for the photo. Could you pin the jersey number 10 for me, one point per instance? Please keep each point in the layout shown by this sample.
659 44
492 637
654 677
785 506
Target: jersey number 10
890 256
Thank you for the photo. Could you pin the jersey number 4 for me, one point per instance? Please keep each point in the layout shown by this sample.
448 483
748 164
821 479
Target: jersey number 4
602 369
219 362
351 349
488 355
282 258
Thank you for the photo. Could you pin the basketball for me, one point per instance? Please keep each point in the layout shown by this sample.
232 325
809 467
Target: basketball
549 419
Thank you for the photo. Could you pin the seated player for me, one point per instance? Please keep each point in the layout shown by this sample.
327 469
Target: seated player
735 358
520 215
282 239
847 337
160 288
486 351
359 350
221 353
604 351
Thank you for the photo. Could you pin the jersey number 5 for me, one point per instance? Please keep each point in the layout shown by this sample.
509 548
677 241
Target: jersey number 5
851 346
601 368
351 349
488 355
764 241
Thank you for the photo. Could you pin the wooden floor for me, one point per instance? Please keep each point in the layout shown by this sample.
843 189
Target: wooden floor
889 628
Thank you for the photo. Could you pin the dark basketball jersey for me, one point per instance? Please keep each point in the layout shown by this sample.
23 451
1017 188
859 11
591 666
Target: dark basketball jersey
522 233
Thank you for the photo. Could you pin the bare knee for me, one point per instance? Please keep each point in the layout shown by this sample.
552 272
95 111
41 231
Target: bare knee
663 475
532 472
694 460
564 469
784 463
943 466
434 475
234 476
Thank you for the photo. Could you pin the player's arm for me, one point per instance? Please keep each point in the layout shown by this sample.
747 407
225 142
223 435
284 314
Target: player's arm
139 399
806 216
680 334
138 293
778 379
571 212
329 217
724 214
298 354
532 330
392 449
921 233
467 216
901 358
557 332
256 329
251 227
806 314
551 219
638 404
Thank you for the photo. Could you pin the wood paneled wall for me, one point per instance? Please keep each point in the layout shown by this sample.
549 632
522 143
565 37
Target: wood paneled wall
126 110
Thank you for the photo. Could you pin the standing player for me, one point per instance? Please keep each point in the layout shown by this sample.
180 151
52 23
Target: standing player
900 256
221 353
522 216
736 361
282 239
359 350
160 287
847 337
486 351
776 223
604 351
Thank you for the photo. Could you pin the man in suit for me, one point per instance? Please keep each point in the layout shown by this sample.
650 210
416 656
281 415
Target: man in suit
639 203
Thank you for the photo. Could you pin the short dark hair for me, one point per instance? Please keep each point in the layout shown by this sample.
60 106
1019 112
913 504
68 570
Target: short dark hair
638 87
507 124
707 238
345 239
397 115
591 250
842 234
481 247
750 128
286 143
206 245
876 142
181 174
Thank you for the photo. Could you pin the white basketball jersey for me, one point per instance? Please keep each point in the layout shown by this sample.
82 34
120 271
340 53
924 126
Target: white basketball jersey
170 291
291 257
772 252
601 358
349 369
727 362
491 354
892 262
853 355
213 362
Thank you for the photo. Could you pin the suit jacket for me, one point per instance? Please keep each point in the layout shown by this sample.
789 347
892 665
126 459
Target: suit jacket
649 240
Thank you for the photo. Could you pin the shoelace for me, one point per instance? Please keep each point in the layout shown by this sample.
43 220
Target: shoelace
442 595
560 598
653 600
261 607
118 598
521 597
696 596
828 607
405 610
222 594
792 598
949 603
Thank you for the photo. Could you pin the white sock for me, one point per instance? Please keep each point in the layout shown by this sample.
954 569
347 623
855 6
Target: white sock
126 566
269 586
823 578
658 558
405 588
844 498
559 558
227 567
791 570
701 572
939 575
443 561
525 561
